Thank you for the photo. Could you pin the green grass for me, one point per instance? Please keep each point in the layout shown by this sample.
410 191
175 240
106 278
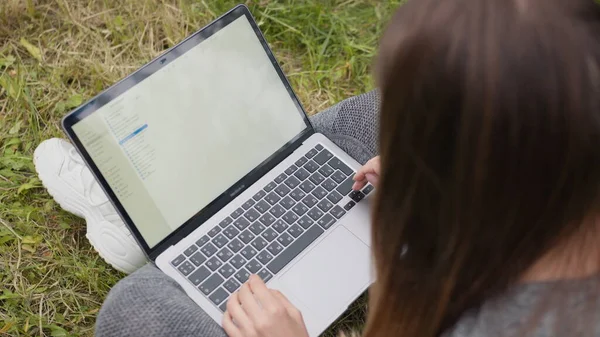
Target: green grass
55 54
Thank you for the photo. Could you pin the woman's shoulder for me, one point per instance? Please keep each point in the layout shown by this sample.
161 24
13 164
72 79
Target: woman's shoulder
547 309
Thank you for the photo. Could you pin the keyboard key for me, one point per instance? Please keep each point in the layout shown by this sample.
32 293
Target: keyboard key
315 213
197 259
214 263
287 202
269 234
211 284
307 186
267 219
301 161
242 275
241 223
224 254
334 197
274 248
285 239
262 206
231 232
294 249
272 198
302 174
338 176
300 209
280 178
238 261
220 241
310 200
295 230
282 190
335 163
326 170
356 196
297 194
367 189
202 241
305 222
316 178
219 296
292 182
319 192
231 285
235 245
277 211
323 157
253 266
190 250
290 217
252 215
291 169
259 243
209 249
349 205
236 214
265 275
225 222
329 184
319 147
326 221
264 257
248 204
246 236
280 226
337 212
178 260
270 186
199 275
259 195
256 228
213 232
186 268
226 270
325 205
248 252
311 153
311 166
346 186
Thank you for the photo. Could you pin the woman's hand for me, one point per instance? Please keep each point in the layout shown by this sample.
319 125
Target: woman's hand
256 311
369 173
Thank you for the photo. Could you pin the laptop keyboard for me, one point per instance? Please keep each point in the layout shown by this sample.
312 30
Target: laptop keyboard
270 229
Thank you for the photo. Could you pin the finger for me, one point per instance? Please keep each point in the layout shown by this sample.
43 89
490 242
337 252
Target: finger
284 301
358 185
249 303
372 178
230 328
368 167
261 292
237 313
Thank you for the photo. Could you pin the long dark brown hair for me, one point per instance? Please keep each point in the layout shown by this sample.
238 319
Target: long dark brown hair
490 151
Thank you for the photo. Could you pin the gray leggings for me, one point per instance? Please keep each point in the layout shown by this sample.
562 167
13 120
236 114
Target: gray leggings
149 303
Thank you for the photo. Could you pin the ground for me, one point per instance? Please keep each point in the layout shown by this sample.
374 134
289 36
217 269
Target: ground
55 54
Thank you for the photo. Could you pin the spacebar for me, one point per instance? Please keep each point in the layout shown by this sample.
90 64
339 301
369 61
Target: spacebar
295 248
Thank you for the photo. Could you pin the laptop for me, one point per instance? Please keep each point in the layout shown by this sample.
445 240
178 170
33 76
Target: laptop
213 164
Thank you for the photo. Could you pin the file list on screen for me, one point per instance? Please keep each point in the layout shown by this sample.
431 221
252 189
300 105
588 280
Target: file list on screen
177 140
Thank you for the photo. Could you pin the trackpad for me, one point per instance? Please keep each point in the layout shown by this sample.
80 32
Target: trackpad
331 275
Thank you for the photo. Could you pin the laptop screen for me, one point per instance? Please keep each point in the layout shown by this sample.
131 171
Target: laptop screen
174 142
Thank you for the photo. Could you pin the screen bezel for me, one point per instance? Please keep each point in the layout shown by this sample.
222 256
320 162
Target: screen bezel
128 82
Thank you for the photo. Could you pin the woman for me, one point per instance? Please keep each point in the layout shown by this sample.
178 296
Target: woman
486 220
488 185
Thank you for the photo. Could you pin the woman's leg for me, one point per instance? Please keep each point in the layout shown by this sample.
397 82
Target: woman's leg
149 303
353 125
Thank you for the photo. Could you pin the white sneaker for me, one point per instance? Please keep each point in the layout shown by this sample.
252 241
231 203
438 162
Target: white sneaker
74 188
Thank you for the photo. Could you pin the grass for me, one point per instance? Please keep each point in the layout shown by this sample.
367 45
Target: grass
55 54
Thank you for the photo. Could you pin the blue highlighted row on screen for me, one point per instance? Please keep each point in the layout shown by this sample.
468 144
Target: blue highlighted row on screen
131 135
